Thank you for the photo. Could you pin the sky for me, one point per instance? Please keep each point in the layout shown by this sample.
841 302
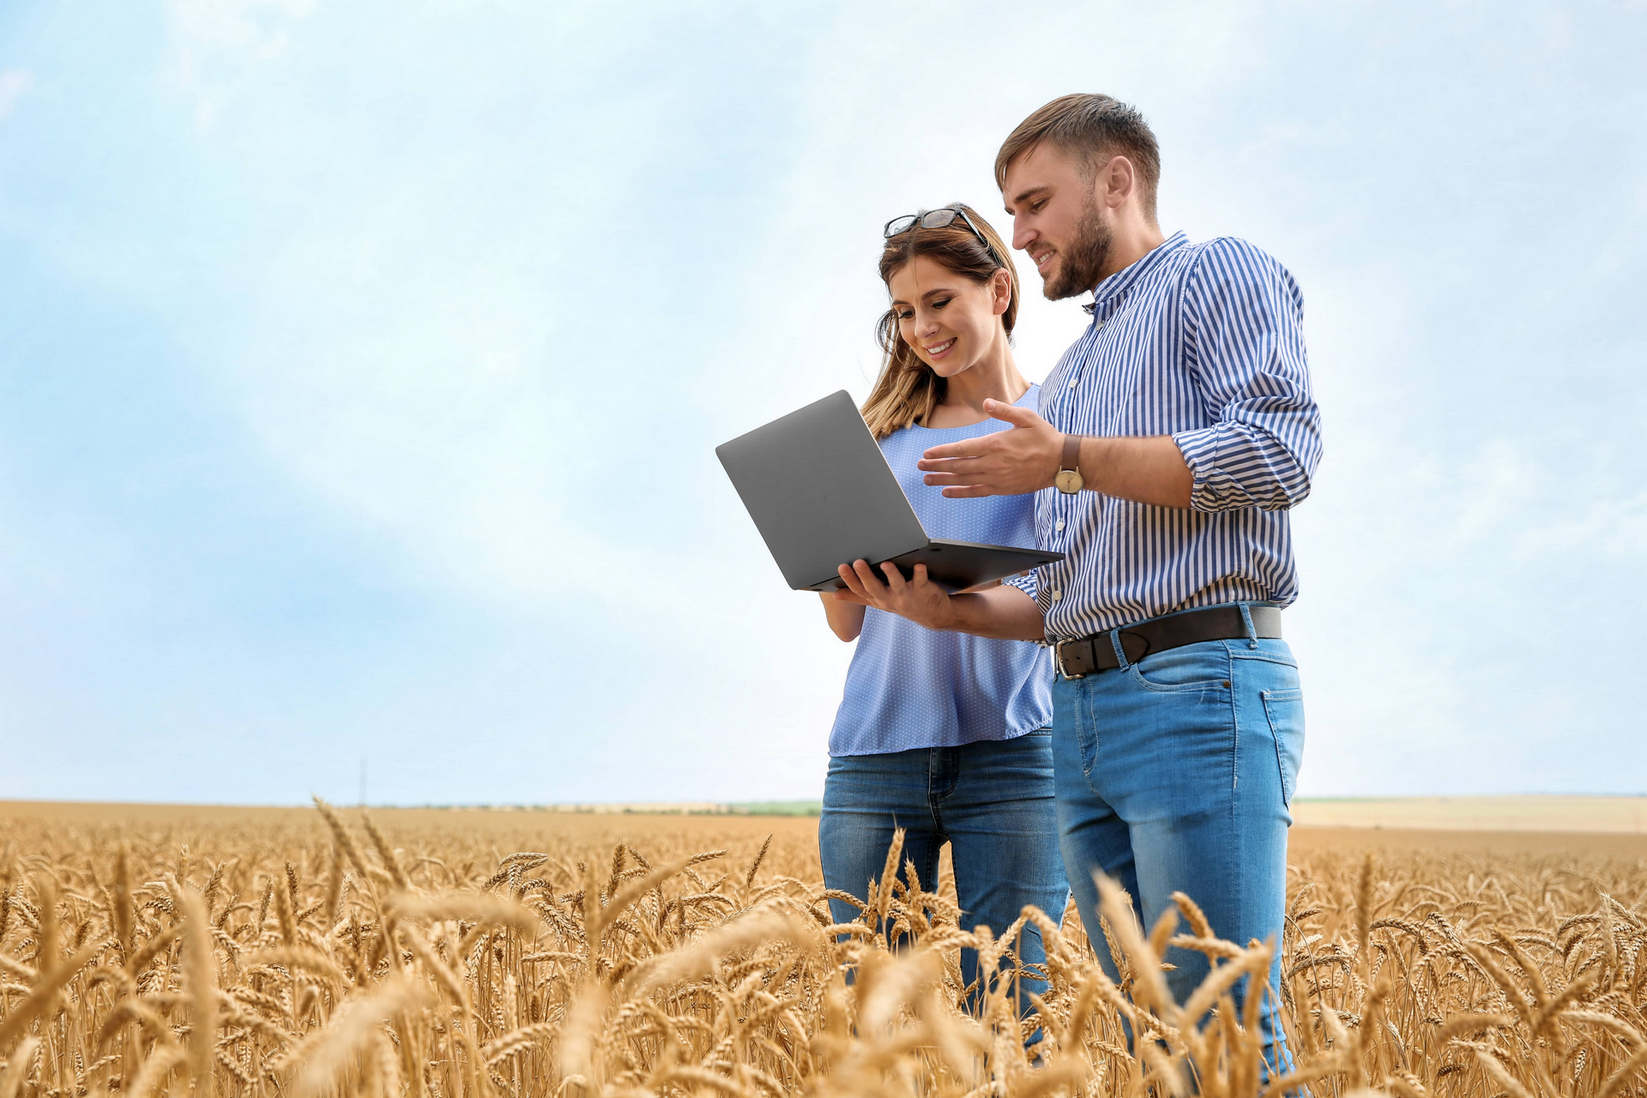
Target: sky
361 369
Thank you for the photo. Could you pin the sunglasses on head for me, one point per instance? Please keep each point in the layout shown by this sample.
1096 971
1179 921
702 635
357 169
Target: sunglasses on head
936 219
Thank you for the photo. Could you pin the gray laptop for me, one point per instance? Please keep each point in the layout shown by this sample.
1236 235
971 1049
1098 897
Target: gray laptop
821 494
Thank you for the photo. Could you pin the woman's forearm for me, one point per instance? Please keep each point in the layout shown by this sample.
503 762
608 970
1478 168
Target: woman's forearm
846 620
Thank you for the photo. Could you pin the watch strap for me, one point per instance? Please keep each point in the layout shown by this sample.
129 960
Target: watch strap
1072 453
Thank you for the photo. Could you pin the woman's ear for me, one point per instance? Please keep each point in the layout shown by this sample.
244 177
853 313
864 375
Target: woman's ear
1000 286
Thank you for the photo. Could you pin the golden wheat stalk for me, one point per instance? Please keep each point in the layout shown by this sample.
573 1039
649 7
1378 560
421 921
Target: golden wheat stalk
324 1055
475 907
41 995
200 981
17 1066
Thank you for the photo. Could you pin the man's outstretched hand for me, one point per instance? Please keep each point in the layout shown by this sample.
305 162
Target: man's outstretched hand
1006 463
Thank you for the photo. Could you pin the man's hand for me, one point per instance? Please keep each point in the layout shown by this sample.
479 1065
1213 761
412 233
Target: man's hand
917 598
1006 463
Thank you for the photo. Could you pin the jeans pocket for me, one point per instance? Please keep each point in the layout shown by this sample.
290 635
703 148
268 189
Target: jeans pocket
1191 668
1285 710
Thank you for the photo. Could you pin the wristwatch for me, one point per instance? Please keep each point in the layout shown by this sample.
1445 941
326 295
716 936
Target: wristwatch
1068 480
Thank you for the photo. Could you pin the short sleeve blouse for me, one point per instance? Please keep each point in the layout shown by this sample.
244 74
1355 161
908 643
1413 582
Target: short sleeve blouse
909 686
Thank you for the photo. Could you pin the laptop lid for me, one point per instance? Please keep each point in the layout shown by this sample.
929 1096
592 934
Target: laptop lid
820 491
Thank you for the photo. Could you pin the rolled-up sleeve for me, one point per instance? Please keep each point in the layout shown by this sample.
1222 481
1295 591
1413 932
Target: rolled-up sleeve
1027 582
1244 320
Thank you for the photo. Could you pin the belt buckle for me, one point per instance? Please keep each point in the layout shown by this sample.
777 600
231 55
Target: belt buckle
1058 658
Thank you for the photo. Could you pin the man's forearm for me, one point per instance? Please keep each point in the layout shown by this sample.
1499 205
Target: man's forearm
1144 470
1003 612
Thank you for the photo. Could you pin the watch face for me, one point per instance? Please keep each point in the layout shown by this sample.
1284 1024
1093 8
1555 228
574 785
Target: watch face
1068 480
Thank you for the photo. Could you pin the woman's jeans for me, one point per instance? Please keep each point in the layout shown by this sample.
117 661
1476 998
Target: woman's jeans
1175 774
993 801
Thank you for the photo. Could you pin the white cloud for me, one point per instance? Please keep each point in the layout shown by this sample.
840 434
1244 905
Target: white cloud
407 405
254 27
13 83
215 42
1612 527
1496 486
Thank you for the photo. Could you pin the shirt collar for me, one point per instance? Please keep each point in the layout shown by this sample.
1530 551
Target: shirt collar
1111 291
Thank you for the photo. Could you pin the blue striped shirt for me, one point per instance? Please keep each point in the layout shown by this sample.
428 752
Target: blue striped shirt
1202 342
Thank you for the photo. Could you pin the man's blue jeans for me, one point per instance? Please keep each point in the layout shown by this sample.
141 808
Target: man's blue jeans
1175 774
993 801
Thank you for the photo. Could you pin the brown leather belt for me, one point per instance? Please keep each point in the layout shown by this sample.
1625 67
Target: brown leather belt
1084 656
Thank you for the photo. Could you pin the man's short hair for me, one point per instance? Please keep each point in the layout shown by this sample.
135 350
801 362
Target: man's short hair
1087 127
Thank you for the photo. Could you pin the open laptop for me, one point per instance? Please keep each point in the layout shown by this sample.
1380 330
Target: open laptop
821 494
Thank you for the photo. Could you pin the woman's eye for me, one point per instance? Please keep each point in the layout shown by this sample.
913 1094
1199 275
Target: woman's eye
903 314
941 304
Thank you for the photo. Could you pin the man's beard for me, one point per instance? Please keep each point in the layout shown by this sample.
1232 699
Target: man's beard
1082 265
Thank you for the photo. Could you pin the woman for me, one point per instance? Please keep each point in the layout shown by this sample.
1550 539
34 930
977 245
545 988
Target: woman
946 735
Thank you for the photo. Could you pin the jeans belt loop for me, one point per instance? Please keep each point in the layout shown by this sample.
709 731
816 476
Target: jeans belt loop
1122 663
1246 620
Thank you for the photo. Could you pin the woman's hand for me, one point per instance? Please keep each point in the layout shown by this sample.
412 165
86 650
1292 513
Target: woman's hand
917 598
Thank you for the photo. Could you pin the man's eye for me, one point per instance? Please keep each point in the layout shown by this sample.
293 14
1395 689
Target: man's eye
1035 207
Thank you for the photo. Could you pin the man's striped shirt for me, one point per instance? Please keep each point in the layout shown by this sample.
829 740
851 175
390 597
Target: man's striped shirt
1202 342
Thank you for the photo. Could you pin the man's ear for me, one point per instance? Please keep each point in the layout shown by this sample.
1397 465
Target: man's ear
1114 182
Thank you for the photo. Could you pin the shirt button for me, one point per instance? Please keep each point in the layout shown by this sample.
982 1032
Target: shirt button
1072 382
1059 525
1056 594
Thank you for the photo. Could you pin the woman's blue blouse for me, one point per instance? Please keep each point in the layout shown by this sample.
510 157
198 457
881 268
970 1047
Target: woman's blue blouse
909 686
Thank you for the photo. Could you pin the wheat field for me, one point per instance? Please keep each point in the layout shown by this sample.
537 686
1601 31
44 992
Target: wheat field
326 951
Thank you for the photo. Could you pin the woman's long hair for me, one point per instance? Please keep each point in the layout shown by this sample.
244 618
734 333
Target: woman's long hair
907 390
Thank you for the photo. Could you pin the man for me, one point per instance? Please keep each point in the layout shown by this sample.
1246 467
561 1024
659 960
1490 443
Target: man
1172 438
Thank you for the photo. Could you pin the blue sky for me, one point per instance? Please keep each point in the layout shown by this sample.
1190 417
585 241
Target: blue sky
361 367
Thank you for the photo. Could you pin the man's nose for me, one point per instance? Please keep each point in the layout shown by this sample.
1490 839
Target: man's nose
1021 234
